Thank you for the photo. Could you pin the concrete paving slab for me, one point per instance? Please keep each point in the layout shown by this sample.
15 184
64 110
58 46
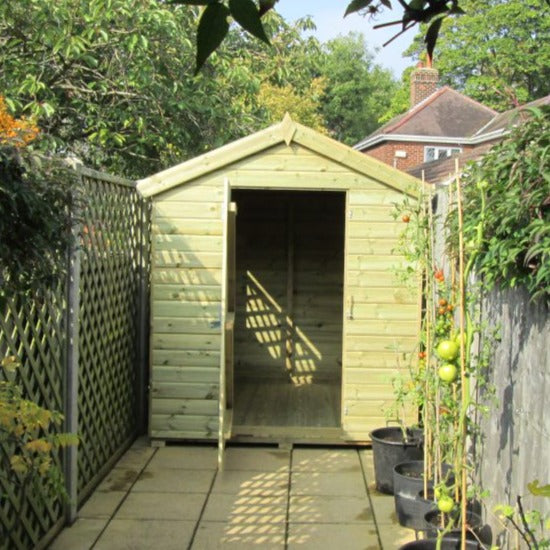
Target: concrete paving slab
188 457
333 536
264 459
329 509
251 483
135 458
162 506
244 510
384 507
394 536
130 534
119 479
325 460
80 536
214 535
102 504
328 483
173 480
365 455
247 507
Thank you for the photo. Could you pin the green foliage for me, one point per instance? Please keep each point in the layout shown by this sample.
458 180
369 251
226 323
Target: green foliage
112 82
214 23
498 53
400 100
507 210
531 525
34 221
30 443
304 108
357 90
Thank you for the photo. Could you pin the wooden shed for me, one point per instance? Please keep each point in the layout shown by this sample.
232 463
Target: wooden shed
276 314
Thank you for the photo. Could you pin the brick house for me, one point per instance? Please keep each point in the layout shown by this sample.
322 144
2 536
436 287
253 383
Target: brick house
441 122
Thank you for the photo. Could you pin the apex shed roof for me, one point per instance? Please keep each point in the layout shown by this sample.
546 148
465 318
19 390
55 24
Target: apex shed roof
287 131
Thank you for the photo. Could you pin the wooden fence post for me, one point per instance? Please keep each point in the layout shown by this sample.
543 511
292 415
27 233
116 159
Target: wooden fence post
72 357
143 319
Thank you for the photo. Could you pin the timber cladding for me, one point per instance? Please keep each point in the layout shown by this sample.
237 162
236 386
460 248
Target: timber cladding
317 304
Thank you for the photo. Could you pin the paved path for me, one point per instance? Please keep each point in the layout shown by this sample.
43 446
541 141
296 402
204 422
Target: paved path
174 498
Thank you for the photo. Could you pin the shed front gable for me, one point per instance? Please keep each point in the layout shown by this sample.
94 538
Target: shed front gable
287 134
376 314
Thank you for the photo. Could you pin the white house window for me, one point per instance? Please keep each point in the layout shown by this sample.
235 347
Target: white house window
436 153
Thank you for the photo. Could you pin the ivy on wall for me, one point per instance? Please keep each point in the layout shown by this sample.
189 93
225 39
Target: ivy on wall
507 208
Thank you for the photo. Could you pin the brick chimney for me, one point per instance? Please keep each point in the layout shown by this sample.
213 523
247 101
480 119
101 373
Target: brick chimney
423 83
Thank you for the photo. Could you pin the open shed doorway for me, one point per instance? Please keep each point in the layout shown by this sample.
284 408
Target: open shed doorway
289 310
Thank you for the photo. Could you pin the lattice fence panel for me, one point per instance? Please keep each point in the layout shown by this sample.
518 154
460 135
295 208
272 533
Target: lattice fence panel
33 331
113 252
109 304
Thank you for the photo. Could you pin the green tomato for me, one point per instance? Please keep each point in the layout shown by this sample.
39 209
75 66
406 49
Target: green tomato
448 350
447 372
445 504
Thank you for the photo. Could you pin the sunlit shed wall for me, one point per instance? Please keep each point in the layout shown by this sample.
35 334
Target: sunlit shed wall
374 318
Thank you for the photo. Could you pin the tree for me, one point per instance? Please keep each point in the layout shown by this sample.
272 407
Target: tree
357 90
111 81
497 53
304 108
214 23
400 100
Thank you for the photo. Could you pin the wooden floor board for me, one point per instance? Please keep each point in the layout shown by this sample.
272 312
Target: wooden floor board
275 403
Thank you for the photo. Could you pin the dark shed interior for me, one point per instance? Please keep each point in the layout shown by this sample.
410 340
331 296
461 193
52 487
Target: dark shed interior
289 307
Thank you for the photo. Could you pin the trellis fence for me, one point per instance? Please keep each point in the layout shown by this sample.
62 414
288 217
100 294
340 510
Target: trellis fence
82 345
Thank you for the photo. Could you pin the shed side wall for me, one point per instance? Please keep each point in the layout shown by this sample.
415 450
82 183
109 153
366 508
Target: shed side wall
186 307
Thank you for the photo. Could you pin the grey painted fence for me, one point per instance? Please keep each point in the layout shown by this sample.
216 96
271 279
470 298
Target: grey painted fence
82 347
516 445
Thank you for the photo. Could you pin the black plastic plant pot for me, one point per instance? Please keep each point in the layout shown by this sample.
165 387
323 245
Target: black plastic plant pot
408 477
388 449
473 520
411 512
431 544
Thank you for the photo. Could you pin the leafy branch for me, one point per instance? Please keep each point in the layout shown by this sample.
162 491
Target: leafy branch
216 14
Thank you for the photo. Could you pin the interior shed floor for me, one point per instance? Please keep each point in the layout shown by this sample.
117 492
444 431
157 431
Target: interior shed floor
175 498
285 404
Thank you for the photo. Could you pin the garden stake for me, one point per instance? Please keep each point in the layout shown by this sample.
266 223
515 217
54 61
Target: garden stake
465 389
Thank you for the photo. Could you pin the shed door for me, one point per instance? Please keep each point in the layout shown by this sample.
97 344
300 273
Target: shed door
227 321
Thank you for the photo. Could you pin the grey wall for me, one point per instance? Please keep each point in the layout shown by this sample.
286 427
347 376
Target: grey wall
515 448
516 445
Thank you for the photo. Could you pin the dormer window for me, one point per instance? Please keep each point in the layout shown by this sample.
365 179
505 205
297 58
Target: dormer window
436 153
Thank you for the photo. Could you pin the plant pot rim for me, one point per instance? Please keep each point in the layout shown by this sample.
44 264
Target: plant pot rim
381 435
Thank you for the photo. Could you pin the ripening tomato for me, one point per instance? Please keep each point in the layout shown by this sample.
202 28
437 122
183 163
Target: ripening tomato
447 372
406 218
447 350
442 302
445 504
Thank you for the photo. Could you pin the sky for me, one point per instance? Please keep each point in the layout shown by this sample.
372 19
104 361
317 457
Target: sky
328 16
